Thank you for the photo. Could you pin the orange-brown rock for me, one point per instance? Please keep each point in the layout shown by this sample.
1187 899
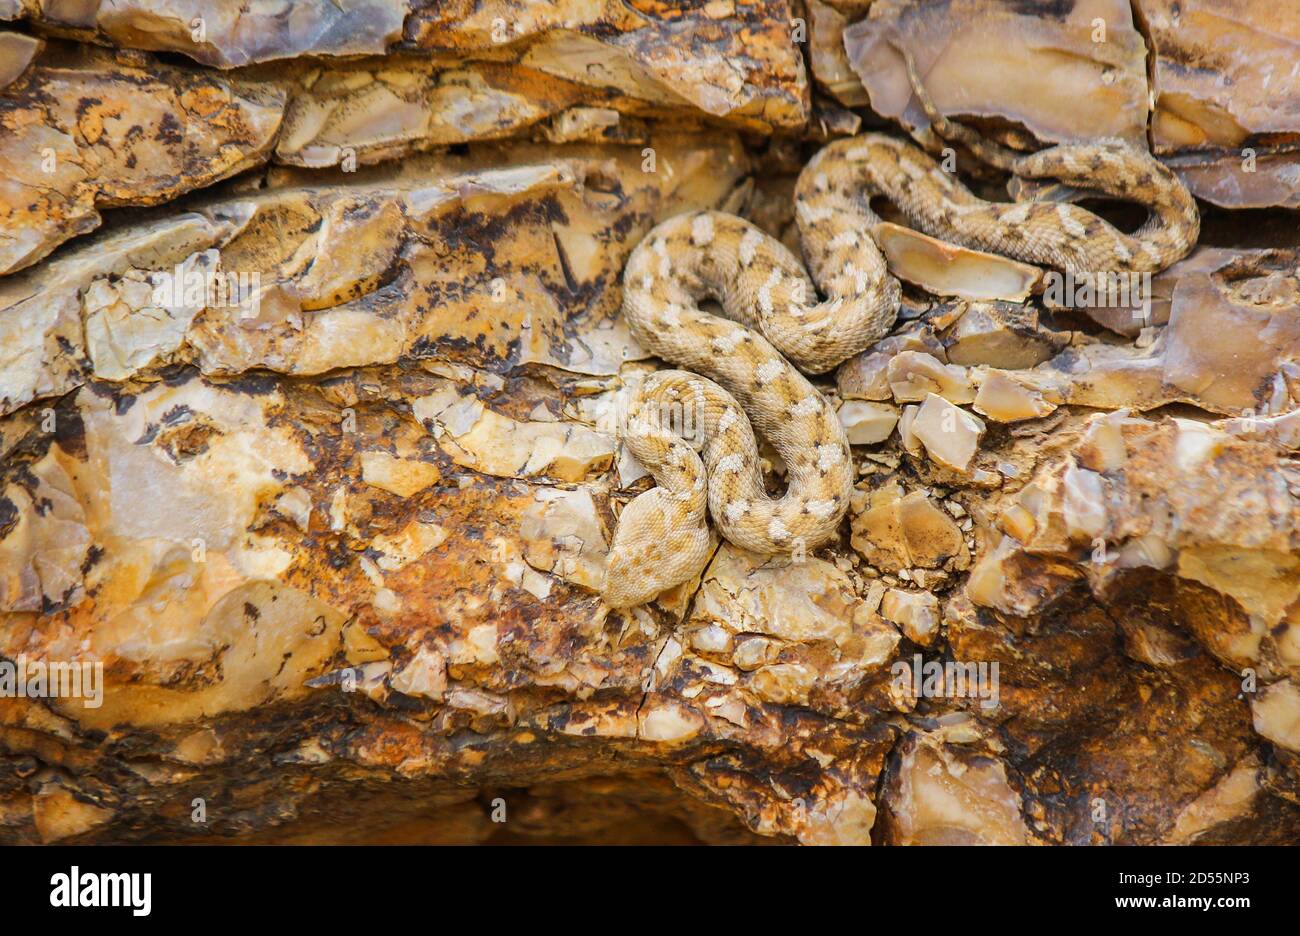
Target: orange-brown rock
310 457
81 131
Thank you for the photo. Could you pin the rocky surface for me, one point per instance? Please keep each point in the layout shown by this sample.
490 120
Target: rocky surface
82 130
1053 73
311 374
1228 95
1220 101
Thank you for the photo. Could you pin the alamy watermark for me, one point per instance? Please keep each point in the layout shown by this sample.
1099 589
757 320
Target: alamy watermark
950 680
79 888
59 679
190 288
682 418
1101 290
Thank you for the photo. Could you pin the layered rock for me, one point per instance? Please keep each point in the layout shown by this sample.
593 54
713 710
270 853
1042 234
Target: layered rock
81 130
320 464
1228 95
990 59
1222 85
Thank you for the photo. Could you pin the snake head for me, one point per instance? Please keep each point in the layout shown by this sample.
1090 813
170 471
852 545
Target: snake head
657 545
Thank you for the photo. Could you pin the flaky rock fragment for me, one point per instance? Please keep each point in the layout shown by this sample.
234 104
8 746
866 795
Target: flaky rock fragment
1226 87
1230 332
304 280
1153 301
913 376
866 423
826 56
866 377
946 269
561 534
49 340
1246 177
383 108
1046 68
226 33
1228 347
783 616
727 60
940 794
917 613
58 814
1277 714
1003 399
949 434
1232 800
47 542
81 131
998 334
895 531
17 52
1177 496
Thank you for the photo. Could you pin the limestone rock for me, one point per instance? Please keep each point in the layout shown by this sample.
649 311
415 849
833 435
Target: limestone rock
721 58
827 59
1111 501
305 280
1001 334
1233 105
943 795
310 459
227 33
80 131
952 270
994 59
896 531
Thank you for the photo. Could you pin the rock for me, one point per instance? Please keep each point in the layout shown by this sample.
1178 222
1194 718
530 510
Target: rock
917 613
307 280
866 376
975 55
1131 319
58 814
952 270
17 52
896 531
1106 500
1277 714
1003 399
383 108
827 59
226 33
41 311
1188 361
942 795
1235 798
913 376
1233 102
1005 335
726 60
1215 363
310 460
81 131
949 434
867 423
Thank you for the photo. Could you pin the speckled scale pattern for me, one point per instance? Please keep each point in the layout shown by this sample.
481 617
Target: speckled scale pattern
742 369
1062 236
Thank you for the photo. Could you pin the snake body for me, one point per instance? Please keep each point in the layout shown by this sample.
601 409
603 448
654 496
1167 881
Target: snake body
742 367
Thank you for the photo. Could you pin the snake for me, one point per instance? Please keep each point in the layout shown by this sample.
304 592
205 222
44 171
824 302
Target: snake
741 320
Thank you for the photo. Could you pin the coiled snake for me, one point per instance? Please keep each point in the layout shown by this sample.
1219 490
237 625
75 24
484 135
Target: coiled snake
742 369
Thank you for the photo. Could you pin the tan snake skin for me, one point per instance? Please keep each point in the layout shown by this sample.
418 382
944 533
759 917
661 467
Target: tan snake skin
743 363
